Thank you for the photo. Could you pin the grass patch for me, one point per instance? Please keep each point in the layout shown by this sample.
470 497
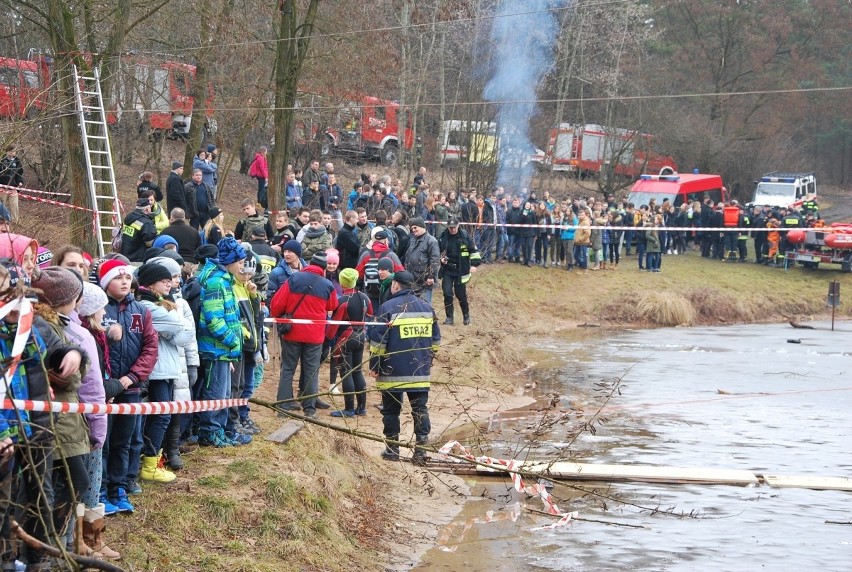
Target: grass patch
279 490
213 482
222 510
245 468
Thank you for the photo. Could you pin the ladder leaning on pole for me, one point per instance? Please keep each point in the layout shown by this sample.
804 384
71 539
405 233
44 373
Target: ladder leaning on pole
101 176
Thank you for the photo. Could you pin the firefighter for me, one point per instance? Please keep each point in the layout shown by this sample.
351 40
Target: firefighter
730 219
789 219
744 221
459 258
402 347
773 238
810 205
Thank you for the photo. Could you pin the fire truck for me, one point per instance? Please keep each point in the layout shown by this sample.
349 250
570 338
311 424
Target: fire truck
366 127
21 94
158 90
585 149
826 245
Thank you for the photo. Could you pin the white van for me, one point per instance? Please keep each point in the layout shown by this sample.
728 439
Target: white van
780 189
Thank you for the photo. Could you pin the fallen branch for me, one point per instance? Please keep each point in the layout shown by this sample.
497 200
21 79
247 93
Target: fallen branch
83 561
609 522
837 522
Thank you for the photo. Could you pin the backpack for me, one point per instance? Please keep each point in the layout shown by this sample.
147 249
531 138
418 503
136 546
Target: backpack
371 273
251 223
116 238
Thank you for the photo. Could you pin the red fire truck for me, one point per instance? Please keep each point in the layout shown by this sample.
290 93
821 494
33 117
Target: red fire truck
21 94
366 127
155 89
584 149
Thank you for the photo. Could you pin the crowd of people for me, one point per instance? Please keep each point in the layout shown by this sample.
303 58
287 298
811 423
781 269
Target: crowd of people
181 311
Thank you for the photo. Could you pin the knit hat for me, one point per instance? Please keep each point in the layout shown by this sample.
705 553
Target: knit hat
58 286
319 259
112 269
293 246
214 212
173 254
142 202
348 278
152 252
43 257
211 148
170 264
417 221
250 267
404 277
151 273
230 251
202 253
332 256
385 264
164 240
93 300
176 165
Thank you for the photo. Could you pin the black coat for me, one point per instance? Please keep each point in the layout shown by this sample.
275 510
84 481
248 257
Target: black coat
348 246
176 195
187 238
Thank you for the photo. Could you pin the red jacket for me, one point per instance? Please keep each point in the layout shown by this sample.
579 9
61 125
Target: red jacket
259 167
307 295
378 249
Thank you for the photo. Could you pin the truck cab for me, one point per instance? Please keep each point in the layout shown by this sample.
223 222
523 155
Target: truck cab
781 189
677 188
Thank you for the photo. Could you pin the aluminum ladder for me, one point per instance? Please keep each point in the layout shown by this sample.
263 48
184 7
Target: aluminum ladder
99 169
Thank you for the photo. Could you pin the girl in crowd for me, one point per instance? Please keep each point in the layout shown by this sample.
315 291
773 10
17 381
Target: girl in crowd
557 253
542 242
213 231
566 237
21 249
653 245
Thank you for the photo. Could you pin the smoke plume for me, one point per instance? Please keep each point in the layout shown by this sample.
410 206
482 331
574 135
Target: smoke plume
523 34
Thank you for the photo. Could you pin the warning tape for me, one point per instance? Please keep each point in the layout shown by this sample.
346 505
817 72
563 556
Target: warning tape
307 321
449 540
620 228
152 408
513 468
18 190
25 190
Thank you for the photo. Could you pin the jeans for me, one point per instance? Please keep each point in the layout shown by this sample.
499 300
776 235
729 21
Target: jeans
652 261
502 244
215 385
392 406
514 247
261 192
541 248
628 241
640 253
137 444
426 294
308 355
238 382
581 252
119 435
155 425
249 384
350 366
526 248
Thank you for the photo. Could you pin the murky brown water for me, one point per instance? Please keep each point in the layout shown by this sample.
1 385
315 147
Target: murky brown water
786 410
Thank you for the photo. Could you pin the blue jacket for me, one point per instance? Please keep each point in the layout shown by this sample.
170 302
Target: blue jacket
208 172
279 275
219 329
402 347
294 197
568 233
136 353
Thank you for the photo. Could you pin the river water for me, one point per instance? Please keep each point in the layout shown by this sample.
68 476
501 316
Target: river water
739 397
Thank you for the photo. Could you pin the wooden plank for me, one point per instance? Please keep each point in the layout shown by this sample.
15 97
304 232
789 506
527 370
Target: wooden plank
816 483
285 432
640 473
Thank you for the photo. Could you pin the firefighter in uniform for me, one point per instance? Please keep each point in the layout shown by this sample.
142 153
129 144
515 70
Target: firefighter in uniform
742 236
459 258
758 220
810 205
401 352
789 220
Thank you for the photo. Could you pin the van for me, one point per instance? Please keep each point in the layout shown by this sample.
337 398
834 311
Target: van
677 188
782 189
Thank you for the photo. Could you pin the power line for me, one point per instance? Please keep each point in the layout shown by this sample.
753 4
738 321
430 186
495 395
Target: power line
397 28
351 105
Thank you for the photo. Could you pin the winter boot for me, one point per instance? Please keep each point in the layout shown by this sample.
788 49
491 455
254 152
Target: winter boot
448 321
391 452
466 321
172 448
152 471
420 457
94 525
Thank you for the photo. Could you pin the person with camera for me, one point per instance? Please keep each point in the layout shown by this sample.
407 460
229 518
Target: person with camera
459 258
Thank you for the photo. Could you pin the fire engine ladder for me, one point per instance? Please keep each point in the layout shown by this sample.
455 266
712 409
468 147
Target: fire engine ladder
101 176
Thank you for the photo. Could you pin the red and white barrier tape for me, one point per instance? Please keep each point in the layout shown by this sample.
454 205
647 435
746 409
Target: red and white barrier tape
18 190
512 467
495 226
307 321
25 190
152 408
449 540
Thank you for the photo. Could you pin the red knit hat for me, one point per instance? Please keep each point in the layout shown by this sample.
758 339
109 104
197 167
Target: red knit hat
111 269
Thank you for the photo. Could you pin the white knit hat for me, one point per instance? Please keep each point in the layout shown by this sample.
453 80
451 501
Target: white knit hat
93 300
